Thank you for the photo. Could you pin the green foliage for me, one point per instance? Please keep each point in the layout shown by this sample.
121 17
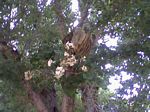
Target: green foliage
9 71
78 103
35 31
13 99
71 83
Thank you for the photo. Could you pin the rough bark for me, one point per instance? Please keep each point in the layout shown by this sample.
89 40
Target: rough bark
35 98
89 98
49 98
67 104
67 101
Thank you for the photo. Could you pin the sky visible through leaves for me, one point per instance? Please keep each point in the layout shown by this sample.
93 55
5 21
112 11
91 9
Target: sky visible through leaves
111 42
114 80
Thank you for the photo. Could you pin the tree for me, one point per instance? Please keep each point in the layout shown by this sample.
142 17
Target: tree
32 34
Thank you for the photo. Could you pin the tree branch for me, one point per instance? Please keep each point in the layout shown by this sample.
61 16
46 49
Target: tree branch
35 97
84 12
61 19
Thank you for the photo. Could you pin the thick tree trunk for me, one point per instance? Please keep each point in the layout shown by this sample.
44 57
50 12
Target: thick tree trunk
67 104
49 98
89 98
35 98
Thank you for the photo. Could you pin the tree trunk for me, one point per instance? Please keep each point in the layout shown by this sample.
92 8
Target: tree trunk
35 98
89 98
49 98
67 101
67 104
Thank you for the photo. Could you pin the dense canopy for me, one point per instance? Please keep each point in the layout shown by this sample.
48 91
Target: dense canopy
34 76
